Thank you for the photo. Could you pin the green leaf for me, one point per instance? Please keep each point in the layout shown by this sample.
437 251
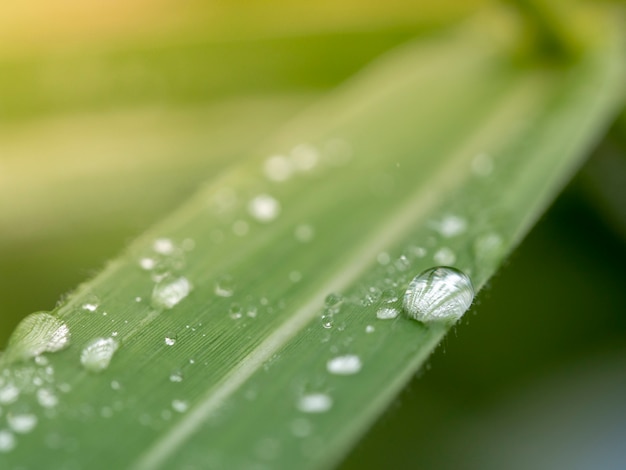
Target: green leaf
442 153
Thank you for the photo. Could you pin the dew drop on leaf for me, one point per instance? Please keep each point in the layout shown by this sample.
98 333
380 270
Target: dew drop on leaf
440 294
264 208
386 313
344 365
97 355
167 292
315 403
36 334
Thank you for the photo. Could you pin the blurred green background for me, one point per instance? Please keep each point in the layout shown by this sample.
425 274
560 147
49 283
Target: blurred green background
112 113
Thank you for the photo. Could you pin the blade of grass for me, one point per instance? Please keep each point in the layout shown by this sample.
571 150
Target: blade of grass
448 129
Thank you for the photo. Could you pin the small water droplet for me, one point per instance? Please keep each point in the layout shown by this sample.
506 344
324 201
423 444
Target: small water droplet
264 208
450 226
36 334
47 398
370 329
372 295
163 246
304 157
22 423
147 263
439 294
169 292
327 321
278 168
7 441
235 311
344 365
9 393
176 376
170 339
304 233
386 313
301 427
295 276
315 403
97 355
180 406
225 286
252 311
444 256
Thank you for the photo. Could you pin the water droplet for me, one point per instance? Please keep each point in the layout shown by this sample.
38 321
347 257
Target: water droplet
304 157
170 339
439 294
47 398
90 306
264 208
370 329
450 226
225 286
97 355
315 403
295 276
147 263
9 394
22 423
278 168
176 376
482 165
180 406
344 365
7 441
167 292
235 311
327 321
444 256
252 311
36 334
163 246
372 295
386 313
304 233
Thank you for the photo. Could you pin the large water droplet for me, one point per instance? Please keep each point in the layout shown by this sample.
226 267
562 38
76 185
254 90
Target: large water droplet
315 403
344 365
22 423
167 293
440 294
264 208
97 355
7 441
36 334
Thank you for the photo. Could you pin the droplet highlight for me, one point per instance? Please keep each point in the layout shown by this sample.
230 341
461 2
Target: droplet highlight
344 365
440 294
97 355
36 334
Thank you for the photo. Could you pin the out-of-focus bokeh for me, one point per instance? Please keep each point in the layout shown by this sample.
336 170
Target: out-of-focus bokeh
112 113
